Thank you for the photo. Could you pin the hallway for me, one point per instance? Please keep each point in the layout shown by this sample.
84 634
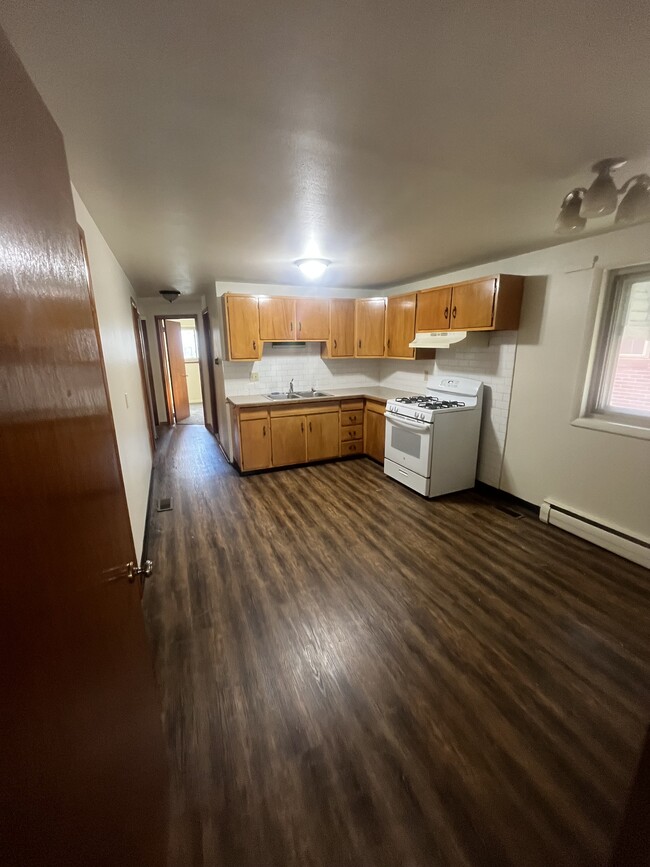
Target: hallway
472 694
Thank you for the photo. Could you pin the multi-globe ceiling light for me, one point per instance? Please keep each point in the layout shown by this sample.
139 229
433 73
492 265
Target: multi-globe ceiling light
601 199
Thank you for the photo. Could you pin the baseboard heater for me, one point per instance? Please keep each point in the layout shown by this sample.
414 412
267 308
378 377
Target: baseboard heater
587 528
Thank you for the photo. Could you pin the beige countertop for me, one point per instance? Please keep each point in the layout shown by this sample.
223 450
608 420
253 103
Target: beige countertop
376 392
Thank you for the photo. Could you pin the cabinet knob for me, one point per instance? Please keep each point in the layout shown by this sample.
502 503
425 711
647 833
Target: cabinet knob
359 344
300 326
453 312
302 427
388 343
334 344
264 430
446 312
255 344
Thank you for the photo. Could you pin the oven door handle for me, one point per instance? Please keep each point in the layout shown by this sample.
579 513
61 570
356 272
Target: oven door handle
412 425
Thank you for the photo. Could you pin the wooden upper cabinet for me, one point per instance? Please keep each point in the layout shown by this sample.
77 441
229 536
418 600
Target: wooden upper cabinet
312 319
370 325
433 311
322 436
400 326
277 318
488 304
472 304
242 315
288 440
341 341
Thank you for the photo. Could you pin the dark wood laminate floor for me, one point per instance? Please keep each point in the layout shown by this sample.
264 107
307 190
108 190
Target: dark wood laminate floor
354 675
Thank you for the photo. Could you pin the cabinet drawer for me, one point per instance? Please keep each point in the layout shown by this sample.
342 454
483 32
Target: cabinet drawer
349 417
352 448
351 432
354 403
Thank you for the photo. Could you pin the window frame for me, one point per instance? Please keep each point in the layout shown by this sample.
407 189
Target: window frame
601 362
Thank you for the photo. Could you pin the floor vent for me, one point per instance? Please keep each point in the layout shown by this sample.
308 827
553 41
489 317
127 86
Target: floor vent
611 538
164 504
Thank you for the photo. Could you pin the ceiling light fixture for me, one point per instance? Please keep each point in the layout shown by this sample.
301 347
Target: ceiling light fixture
601 199
170 294
312 268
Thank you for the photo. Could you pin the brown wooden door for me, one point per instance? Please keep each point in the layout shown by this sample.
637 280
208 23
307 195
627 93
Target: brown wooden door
433 311
255 444
138 333
177 370
212 388
312 318
243 327
375 432
83 755
277 319
472 304
370 323
322 436
342 328
288 440
400 326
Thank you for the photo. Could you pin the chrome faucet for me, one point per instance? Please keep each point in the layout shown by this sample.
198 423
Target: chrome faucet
291 387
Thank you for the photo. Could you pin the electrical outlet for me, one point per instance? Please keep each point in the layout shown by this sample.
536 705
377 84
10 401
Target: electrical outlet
426 375
255 377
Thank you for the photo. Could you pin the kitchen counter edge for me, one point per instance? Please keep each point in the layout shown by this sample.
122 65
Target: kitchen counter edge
380 393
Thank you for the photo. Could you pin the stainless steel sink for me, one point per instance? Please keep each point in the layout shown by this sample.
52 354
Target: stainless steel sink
296 395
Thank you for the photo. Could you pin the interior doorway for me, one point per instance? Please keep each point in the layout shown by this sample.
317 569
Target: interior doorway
180 362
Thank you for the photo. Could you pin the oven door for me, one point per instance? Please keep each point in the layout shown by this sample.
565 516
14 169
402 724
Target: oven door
408 443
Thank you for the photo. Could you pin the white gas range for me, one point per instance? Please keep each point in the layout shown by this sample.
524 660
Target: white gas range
432 439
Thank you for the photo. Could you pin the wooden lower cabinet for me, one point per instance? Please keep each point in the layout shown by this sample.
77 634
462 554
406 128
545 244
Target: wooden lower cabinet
284 437
322 436
255 444
374 430
288 440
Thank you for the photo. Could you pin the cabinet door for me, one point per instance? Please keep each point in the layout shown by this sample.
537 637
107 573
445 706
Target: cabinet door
472 304
400 326
255 444
370 325
375 434
312 318
322 436
288 440
243 327
433 311
342 328
277 320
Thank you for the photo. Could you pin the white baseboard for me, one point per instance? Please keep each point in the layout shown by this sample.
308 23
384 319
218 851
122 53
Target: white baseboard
590 529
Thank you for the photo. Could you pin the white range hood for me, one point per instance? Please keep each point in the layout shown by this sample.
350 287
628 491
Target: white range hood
437 339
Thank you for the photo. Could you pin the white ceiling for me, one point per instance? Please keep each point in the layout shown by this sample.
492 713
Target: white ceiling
222 139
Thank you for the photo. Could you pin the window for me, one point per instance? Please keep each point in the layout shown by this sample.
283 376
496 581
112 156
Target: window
190 344
618 391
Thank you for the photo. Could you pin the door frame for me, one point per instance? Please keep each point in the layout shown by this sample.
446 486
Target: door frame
209 348
146 396
168 389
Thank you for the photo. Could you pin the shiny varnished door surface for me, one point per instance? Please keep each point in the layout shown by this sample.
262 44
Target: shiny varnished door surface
288 440
433 311
472 304
370 326
277 318
83 778
322 436
177 370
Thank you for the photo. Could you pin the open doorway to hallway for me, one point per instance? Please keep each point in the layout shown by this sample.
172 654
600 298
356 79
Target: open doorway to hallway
178 342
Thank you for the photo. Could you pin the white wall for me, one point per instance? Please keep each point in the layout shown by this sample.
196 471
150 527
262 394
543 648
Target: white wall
113 294
149 308
602 474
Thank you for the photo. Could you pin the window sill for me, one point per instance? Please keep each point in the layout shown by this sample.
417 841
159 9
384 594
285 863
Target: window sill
622 428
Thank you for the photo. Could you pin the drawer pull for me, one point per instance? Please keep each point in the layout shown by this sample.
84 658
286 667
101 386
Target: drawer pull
264 430
446 312
453 312
335 343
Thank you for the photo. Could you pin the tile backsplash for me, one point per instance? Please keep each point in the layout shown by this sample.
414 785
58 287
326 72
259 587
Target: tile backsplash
492 362
304 365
